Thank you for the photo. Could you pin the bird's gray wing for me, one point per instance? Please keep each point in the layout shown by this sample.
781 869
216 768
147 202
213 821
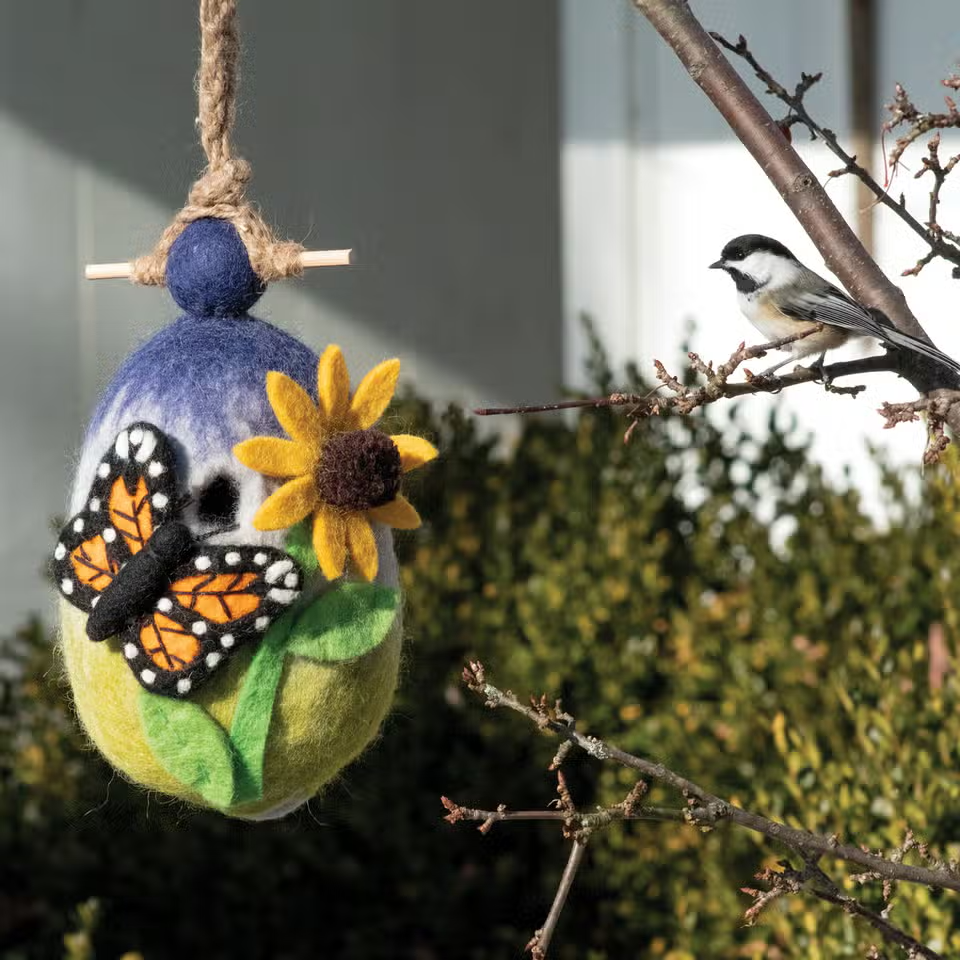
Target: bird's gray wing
828 304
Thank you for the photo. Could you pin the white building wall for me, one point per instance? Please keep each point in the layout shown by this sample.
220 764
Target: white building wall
654 184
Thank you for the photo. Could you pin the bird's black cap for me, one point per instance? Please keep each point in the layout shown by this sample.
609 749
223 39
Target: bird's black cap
741 247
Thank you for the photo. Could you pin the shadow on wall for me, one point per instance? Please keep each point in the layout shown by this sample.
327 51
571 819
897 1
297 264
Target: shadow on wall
424 134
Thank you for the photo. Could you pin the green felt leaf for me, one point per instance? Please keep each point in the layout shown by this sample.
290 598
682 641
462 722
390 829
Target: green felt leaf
190 745
345 623
299 545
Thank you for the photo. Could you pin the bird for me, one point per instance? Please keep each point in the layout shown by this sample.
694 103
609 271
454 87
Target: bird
780 297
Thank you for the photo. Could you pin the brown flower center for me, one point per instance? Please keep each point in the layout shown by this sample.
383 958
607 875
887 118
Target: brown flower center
359 470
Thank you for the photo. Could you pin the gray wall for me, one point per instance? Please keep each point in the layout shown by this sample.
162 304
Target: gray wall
421 132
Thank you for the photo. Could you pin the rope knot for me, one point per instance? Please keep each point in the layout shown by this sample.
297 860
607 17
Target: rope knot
225 184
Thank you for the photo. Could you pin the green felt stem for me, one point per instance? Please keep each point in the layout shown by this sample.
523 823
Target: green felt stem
251 719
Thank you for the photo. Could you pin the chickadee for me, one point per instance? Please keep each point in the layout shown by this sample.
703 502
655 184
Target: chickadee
780 297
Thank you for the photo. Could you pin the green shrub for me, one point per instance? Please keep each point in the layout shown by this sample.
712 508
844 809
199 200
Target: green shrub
789 676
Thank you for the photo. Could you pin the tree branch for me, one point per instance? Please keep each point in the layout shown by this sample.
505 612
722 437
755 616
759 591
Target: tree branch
761 135
710 809
814 881
685 399
540 942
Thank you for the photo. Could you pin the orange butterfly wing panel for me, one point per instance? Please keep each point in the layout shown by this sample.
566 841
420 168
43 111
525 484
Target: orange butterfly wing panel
223 598
130 513
169 645
93 565
220 597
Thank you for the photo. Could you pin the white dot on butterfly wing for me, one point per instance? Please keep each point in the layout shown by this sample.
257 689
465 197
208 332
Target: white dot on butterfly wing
78 525
261 623
277 569
227 641
184 685
122 446
109 534
60 552
283 596
259 559
164 604
213 659
147 446
232 558
95 505
94 601
199 628
291 580
136 436
147 676
155 468
103 470
160 500
130 651
66 586
202 562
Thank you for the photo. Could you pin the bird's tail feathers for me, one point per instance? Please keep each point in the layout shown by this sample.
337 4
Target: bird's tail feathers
906 342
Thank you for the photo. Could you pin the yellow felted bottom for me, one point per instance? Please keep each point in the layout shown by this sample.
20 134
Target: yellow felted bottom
324 716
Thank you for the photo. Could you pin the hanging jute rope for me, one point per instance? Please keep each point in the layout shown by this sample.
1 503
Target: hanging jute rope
220 191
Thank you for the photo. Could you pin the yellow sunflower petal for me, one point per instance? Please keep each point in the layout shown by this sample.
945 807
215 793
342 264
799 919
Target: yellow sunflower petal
294 409
414 451
288 505
333 384
275 457
374 394
330 541
363 546
399 513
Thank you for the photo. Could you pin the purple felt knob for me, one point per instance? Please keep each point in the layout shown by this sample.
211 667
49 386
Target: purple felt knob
209 272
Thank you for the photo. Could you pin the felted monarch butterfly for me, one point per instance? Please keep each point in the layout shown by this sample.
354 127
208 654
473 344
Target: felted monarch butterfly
181 607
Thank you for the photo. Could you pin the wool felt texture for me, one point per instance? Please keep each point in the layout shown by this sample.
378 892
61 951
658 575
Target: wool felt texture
340 470
228 747
202 382
209 272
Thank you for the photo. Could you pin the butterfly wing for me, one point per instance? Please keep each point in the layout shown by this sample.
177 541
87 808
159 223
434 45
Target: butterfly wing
132 493
223 598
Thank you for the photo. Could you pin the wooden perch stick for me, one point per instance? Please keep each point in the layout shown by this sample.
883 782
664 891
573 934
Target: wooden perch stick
309 258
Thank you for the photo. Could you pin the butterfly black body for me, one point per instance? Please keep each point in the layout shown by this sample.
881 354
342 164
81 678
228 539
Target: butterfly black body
142 580
181 607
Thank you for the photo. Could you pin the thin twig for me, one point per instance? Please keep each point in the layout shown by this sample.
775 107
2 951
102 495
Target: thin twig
717 387
814 881
540 942
939 247
710 809
602 817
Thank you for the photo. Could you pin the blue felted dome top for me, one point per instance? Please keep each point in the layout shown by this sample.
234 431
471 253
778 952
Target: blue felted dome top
209 272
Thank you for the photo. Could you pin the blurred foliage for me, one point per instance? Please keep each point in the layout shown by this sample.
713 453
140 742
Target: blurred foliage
703 597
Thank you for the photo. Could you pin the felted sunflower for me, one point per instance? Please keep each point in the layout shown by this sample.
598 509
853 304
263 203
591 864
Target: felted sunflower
340 469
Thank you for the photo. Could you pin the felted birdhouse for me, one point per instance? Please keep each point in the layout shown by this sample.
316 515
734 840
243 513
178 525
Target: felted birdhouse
231 613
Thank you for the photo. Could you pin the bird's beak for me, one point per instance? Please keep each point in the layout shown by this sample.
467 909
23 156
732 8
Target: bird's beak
717 266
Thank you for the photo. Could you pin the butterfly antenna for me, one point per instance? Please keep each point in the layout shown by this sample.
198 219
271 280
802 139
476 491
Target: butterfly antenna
216 533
